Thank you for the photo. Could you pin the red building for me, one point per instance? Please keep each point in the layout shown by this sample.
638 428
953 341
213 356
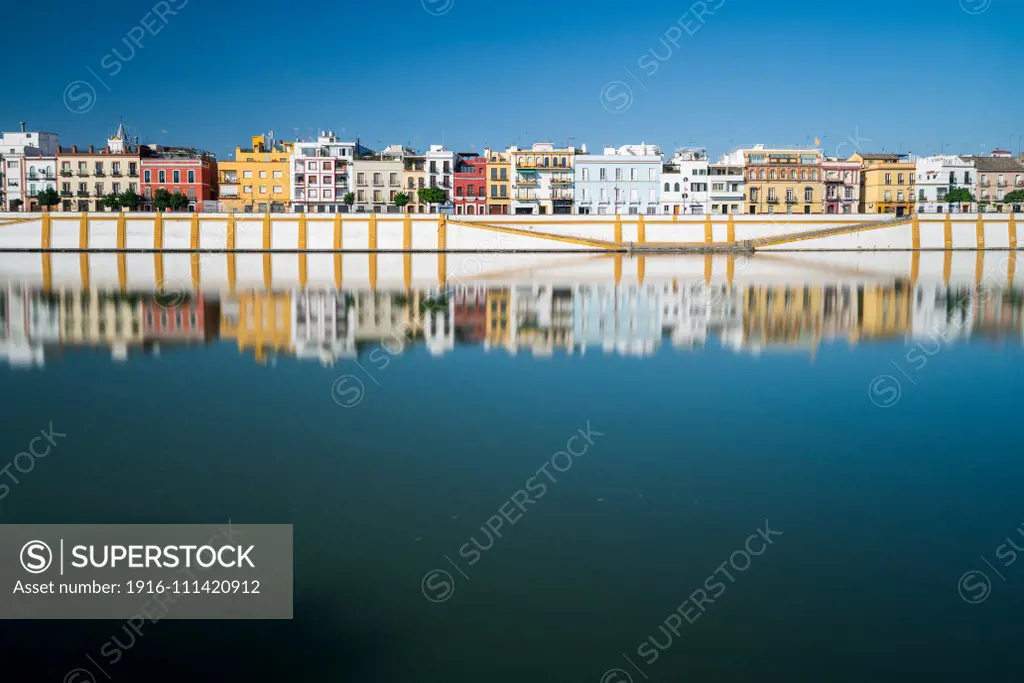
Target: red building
189 171
471 185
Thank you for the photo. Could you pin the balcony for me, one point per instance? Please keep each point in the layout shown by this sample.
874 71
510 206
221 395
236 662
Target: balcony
1000 183
100 174
82 174
83 193
115 174
562 181
65 174
229 179
526 182
133 174
792 200
773 200
66 193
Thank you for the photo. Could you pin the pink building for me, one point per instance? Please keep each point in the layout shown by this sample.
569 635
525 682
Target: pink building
470 185
842 185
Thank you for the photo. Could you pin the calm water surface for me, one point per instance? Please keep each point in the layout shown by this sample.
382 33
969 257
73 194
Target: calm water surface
416 441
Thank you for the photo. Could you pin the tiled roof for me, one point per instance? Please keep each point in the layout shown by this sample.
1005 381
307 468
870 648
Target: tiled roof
997 164
882 157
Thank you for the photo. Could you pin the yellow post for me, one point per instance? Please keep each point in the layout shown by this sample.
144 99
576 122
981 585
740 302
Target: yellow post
915 232
641 269
373 270
47 229
618 269
373 232
730 230
44 243
122 259
232 230
947 228
618 229
915 266
979 267
158 231
442 247
83 243
947 267
707 269
337 232
709 235
268 271
730 268
407 269
641 230
1012 227
407 232
194 246
303 261
337 270
1011 270
980 231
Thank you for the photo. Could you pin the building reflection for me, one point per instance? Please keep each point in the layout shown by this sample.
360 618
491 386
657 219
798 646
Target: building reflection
538 319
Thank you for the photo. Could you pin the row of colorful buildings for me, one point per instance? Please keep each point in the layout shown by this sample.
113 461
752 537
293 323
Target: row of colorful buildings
539 319
330 175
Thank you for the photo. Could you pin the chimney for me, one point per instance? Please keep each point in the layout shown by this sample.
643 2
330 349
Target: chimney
74 149
90 149
23 126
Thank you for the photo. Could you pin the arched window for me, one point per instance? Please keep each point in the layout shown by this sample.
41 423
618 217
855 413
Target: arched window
792 175
666 187
762 174
565 162
803 175
753 174
677 187
771 174
814 175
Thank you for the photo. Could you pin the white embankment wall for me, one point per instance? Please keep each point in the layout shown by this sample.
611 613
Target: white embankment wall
356 232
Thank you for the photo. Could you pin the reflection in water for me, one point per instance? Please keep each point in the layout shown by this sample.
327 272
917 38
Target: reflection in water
539 319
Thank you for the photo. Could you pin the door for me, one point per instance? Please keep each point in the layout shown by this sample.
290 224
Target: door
899 211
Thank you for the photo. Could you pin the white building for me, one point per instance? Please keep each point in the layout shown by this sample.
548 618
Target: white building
323 325
15 149
625 320
29 320
440 169
439 329
728 184
319 173
943 314
693 310
938 174
378 179
619 181
684 183
543 179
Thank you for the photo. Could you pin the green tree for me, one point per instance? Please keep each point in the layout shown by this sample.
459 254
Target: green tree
48 197
958 195
162 199
401 199
1015 197
349 198
130 200
179 202
432 195
112 201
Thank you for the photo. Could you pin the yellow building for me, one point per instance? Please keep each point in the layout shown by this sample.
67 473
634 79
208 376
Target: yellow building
258 180
499 172
886 183
784 181
261 321
95 318
88 175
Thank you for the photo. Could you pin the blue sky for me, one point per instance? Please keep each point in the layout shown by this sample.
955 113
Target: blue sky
898 75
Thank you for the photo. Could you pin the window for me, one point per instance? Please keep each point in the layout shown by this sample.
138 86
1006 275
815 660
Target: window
633 174
888 178
191 176
146 178
666 187
677 187
278 189
470 190
504 191
360 178
116 189
494 191
263 174
771 174
245 174
634 195
263 189
177 176
504 174
651 198
376 179
99 189
899 178
808 194
899 196
761 175
161 176
494 174
618 174
586 174
650 174
277 174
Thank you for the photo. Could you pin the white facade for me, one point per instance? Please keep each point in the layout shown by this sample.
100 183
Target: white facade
323 326
15 149
728 185
439 330
938 174
543 179
684 183
376 181
619 181
440 169
319 173
28 321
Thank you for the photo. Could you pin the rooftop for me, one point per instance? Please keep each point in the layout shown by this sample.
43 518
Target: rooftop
881 157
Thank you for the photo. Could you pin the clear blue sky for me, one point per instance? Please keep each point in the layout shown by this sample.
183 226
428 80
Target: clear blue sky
897 74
